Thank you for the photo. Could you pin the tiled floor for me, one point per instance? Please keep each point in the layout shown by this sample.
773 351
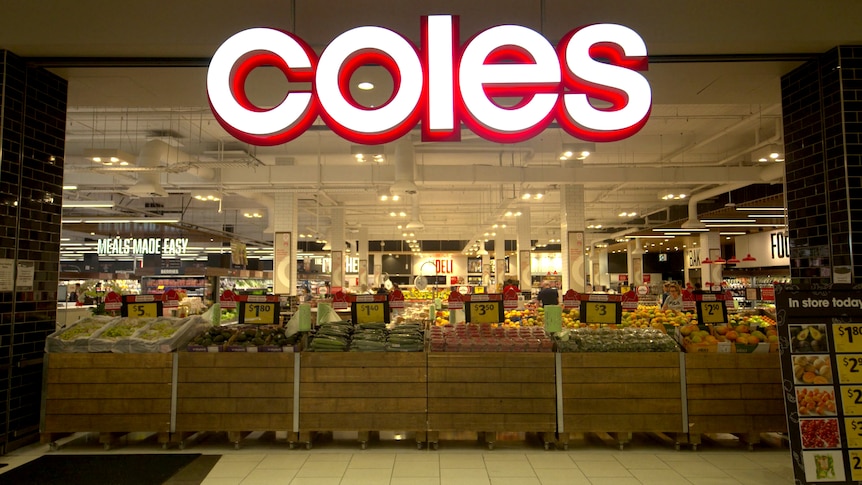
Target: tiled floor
264 460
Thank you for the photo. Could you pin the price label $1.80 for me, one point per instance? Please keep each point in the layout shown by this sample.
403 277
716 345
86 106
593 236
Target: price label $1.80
847 337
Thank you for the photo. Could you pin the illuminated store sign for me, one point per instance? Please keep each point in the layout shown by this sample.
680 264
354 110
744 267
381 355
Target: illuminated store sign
589 84
140 246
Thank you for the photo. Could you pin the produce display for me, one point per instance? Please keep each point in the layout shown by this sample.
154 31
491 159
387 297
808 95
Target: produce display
464 337
229 316
608 339
242 338
427 294
76 337
367 337
125 335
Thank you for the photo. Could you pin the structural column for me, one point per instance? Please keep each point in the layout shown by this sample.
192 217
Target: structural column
362 254
284 220
525 275
336 242
823 153
710 246
500 258
572 241
635 261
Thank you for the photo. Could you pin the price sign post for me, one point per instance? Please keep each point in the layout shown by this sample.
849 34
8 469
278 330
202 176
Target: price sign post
141 306
260 310
711 312
486 308
821 363
370 309
601 309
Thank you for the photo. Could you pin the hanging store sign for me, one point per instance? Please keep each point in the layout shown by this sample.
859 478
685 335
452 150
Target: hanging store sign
140 246
441 83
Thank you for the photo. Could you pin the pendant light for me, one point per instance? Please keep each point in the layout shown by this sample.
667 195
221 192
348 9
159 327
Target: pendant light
706 261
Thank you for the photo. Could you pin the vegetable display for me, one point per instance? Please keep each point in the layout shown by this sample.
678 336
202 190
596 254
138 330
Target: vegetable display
615 340
464 337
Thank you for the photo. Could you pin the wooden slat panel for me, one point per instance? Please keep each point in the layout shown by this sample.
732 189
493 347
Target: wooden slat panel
243 374
236 359
491 422
227 405
491 405
620 359
497 390
66 423
732 361
103 391
103 407
621 375
355 422
489 375
108 375
508 360
760 390
359 374
362 359
713 376
754 407
350 389
622 406
109 360
362 406
623 423
623 391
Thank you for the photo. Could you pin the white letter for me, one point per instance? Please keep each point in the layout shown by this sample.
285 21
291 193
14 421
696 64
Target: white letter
441 114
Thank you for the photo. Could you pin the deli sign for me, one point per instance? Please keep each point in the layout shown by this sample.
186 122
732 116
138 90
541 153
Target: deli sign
589 84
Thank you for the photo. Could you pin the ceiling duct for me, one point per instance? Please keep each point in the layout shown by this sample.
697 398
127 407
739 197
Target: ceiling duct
149 183
405 167
415 220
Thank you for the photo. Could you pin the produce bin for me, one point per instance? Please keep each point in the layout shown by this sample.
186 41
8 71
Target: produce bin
734 393
237 392
621 393
362 392
111 394
490 392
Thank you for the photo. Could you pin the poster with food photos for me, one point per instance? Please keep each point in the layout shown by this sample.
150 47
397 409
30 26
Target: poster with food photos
820 334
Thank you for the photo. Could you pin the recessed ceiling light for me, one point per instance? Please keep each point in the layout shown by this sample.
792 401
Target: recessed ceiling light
365 86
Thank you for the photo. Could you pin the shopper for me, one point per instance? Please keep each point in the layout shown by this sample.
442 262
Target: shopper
548 295
674 299
698 289
665 291
511 285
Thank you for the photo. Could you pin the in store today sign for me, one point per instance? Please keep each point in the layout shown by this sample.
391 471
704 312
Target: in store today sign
140 246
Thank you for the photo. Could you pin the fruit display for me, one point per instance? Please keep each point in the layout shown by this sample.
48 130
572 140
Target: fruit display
441 317
815 401
229 315
233 337
608 339
427 294
812 369
122 328
808 338
464 337
76 337
651 316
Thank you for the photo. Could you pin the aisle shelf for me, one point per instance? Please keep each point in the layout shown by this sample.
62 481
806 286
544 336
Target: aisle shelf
491 392
112 394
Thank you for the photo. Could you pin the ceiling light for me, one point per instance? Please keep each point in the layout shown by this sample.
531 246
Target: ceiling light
732 260
526 195
135 220
680 229
392 214
740 221
579 151
396 197
753 208
363 152
108 156
70 187
671 196
748 257
365 86
88 204
402 214
768 216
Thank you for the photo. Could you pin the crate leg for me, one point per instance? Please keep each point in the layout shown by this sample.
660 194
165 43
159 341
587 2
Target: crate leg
694 439
750 439
490 439
363 437
108 440
623 439
548 439
306 437
236 437
433 439
421 439
50 439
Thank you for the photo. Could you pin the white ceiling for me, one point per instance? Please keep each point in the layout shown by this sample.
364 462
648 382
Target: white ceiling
137 70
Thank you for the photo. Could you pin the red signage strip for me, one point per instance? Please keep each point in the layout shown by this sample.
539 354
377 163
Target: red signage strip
228 299
339 301
396 300
456 301
113 301
571 299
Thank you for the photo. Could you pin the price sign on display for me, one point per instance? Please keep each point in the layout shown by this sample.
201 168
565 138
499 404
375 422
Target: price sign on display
855 465
854 432
847 337
851 400
258 312
602 312
850 369
484 312
711 312
145 310
374 310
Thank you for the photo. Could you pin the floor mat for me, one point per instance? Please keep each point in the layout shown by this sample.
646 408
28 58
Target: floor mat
144 469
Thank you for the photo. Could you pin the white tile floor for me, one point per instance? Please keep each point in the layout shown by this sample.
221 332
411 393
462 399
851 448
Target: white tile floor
264 460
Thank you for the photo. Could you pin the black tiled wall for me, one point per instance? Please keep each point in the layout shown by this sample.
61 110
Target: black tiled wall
32 131
822 109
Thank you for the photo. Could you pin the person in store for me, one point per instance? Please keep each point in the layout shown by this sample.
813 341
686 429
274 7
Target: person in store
511 285
382 291
73 296
698 289
674 299
665 291
306 294
548 295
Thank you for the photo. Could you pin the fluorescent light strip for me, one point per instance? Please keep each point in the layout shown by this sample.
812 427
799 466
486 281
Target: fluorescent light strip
768 216
70 187
747 225
143 220
760 208
668 236
733 233
680 229
88 204
740 221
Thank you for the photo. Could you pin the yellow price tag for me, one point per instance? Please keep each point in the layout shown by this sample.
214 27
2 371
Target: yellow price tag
369 312
600 312
485 312
713 312
847 337
259 313
855 465
850 369
144 310
853 427
851 400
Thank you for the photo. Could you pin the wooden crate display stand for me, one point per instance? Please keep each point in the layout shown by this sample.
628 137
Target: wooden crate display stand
491 392
621 393
111 394
734 393
363 392
236 392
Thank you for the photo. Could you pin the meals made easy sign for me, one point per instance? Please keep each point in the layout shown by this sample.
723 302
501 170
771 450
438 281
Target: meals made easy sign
140 246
